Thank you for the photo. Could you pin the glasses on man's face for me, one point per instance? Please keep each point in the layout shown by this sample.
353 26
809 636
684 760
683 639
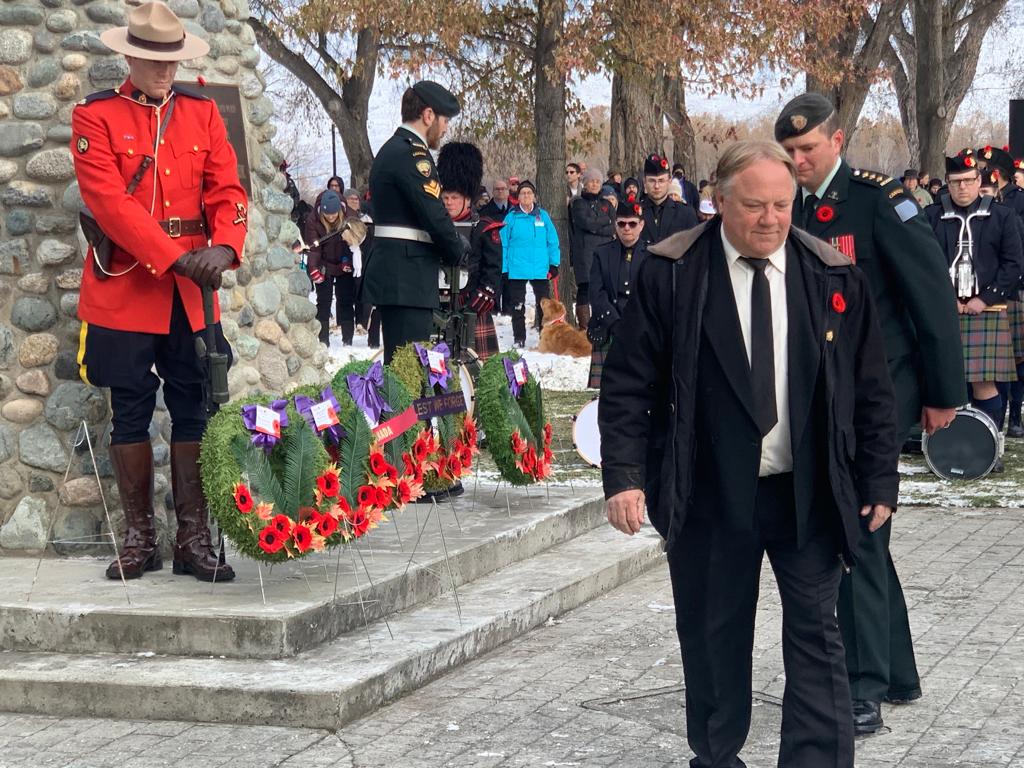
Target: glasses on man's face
964 182
627 224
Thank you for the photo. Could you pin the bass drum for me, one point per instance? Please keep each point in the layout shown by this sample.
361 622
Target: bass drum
468 388
965 450
586 437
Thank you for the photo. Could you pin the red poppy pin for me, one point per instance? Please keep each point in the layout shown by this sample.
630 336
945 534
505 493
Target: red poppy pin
664 163
825 213
838 302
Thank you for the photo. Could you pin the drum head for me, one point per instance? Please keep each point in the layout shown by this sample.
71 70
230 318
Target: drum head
586 437
468 389
965 450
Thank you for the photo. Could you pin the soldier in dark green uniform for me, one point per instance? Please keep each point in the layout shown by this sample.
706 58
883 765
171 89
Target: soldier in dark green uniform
413 233
873 220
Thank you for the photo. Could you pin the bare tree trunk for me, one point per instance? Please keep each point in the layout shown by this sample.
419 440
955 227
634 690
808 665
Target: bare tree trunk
549 123
684 142
347 109
637 117
931 115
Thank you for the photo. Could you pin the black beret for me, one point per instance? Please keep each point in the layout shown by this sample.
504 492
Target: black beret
802 114
628 208
999 159
655 165
437 97
989 178
962 162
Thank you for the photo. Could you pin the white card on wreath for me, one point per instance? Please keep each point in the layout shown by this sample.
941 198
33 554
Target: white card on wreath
436 360
323 415
519 369
268 421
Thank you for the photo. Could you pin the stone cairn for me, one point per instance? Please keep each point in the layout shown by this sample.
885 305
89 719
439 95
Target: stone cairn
50 58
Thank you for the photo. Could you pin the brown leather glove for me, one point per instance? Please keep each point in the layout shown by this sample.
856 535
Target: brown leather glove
204 266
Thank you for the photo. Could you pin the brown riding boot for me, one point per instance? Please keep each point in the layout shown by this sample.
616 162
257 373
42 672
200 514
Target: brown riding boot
193 553
582 316
133 469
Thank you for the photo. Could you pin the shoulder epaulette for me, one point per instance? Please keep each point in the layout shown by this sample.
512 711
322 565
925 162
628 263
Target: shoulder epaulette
871 178
190 91
98 96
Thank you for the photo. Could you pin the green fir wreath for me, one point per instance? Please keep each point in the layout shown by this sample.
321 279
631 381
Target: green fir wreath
406 365
518 436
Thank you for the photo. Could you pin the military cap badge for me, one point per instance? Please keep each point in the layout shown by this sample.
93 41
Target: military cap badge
799 122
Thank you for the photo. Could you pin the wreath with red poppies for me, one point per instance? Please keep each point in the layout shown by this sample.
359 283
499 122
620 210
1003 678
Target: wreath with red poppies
288 476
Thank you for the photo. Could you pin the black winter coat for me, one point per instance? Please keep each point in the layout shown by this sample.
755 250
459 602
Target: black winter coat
648 412
333 258
591 223
612 283
666 219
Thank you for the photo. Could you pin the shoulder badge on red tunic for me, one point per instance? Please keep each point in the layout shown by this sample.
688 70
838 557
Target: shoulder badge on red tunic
83 145
242 216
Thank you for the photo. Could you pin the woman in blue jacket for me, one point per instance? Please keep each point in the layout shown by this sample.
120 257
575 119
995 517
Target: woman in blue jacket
529 252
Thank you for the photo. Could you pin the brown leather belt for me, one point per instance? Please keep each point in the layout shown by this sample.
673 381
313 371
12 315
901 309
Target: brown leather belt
176 227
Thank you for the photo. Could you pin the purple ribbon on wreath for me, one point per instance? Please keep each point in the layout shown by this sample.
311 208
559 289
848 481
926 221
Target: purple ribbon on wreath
262 439
365 391
434 378
304 405
510 371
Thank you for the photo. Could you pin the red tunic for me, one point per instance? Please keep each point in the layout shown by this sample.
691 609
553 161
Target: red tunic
194 168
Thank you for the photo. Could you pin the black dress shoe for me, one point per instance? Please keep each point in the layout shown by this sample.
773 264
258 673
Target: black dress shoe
867 716
1015 430
903 697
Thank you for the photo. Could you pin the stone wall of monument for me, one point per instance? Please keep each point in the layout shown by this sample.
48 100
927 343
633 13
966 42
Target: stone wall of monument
50 58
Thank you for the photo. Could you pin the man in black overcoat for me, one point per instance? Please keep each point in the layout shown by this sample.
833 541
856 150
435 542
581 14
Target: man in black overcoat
663 216
792 451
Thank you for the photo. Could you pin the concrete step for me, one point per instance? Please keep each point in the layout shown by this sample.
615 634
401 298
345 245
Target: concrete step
347 677
68 606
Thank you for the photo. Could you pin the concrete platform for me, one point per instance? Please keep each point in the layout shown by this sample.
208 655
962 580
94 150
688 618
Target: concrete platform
353 674
68 606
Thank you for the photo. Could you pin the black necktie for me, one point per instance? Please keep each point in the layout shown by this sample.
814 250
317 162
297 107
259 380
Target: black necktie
809 202
762 347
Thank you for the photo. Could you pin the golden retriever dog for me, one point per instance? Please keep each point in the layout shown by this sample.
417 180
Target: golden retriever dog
557 337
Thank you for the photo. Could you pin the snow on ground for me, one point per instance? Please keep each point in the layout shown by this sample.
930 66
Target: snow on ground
555 372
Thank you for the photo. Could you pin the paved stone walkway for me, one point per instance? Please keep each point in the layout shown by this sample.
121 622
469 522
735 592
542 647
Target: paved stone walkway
600 685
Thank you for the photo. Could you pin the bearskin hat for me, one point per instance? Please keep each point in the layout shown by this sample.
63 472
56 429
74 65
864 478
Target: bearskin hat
460 166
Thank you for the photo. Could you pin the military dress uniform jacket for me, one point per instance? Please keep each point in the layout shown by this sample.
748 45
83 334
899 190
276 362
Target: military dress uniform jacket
612 282
874 221
666 219
484 263
998 256
406 192
838 378
194 172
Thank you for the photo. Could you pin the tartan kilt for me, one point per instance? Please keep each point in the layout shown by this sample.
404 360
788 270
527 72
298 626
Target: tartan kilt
485 337
597 358
1015 309
988 347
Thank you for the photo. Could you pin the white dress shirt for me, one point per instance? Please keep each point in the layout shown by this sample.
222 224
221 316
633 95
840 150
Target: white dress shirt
776 446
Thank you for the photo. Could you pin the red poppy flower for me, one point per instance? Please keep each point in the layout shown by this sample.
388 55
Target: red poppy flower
547 431
344 507
366 496
308 513
360 522
664 163
271 540
825 213
383 497
303 538
548 455
470 428
282 524
454 465
410 467
838 302
243 499
404 492
466 457
420 449
378 464
327 526
328 484
969 162
392 473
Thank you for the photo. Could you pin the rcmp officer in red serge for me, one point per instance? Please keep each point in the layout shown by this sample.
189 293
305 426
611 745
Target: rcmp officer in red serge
160 179
413 233
873 220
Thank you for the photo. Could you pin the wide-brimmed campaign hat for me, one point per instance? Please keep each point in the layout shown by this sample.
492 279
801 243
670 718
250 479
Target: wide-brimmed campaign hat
154 32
